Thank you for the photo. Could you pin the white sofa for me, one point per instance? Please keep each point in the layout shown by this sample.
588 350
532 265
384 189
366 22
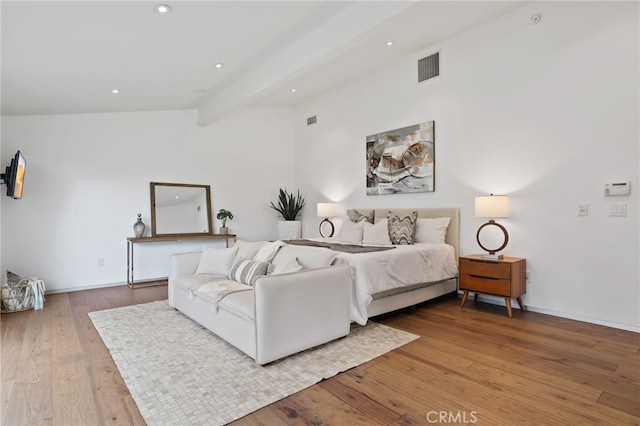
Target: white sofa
279 315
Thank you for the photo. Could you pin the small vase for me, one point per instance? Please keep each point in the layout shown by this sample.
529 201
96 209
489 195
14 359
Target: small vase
138 227
224 230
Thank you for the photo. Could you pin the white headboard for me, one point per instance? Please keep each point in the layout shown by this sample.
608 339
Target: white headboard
453 231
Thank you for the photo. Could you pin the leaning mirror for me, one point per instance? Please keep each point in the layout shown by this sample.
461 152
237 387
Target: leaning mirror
179 209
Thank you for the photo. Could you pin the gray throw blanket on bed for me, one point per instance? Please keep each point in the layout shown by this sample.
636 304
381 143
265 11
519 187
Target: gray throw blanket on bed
346 248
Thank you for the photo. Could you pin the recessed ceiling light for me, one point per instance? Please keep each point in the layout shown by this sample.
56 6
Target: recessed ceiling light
219 65
115 91
162 8
293 90
390 43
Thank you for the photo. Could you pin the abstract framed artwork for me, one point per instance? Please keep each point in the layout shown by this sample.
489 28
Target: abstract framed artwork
402 160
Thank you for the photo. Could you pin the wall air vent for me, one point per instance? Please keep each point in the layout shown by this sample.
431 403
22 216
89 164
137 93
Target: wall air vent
311 120
429 67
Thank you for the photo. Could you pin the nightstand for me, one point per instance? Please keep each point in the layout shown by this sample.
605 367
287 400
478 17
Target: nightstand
504 277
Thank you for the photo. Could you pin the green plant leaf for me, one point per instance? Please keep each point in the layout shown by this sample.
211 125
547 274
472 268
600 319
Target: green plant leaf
289 205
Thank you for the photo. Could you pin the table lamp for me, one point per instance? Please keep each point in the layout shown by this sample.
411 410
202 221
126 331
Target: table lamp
492 206
327 210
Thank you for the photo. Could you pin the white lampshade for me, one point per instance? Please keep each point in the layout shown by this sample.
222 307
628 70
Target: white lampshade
328 209
492 206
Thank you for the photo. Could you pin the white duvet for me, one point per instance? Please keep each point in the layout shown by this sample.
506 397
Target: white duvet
402 266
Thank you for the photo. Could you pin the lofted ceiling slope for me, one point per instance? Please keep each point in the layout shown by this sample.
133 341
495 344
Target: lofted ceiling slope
67 57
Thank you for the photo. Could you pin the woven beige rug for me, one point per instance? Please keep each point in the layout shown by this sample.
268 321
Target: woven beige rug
180 373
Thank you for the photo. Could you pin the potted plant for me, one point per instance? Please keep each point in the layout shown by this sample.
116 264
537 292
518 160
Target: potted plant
289 207
223 215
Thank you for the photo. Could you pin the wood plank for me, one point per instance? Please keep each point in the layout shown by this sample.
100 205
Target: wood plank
377 412
73 396
630 404
315 405
114 402
64 337
530 369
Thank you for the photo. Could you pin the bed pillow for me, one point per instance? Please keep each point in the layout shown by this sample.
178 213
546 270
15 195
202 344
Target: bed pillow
246 271
216 260
356 216
268 251
402 229
432 231
286 268
351 232
376 234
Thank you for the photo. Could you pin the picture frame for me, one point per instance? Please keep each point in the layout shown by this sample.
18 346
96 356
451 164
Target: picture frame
401 160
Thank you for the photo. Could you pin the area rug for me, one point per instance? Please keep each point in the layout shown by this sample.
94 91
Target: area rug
180 373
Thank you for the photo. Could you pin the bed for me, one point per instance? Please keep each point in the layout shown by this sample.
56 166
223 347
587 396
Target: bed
388 278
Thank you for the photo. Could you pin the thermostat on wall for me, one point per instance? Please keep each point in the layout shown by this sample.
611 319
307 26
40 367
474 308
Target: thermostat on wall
617 188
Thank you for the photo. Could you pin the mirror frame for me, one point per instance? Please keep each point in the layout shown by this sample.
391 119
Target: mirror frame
152 187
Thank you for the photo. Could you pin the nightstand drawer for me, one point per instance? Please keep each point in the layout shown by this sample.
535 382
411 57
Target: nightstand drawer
485 268
481 284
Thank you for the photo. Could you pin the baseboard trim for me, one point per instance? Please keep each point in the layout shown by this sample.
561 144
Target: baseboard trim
494 300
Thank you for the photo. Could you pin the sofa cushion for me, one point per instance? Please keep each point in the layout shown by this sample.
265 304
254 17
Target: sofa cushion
245 271
194 282
240 304
285 268
268 251
216 260
248 249
308 257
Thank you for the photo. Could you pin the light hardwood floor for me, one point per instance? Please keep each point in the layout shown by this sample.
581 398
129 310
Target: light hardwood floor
470 366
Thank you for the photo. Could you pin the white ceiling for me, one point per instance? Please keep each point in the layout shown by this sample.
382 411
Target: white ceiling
66 57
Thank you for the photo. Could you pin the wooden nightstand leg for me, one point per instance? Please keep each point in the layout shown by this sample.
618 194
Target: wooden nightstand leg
464 298
508 302
520 303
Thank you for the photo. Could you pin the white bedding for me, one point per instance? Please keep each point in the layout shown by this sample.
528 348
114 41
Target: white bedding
402 266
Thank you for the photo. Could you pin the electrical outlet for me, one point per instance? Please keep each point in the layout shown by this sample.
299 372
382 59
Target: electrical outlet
583 209
528 277
101 262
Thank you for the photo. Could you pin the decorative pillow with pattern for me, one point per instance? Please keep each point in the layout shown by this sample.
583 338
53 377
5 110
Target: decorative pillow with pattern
356 216
13 279
246 271
402 229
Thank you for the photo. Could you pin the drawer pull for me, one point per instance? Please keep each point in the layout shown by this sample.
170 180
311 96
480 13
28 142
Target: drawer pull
484 278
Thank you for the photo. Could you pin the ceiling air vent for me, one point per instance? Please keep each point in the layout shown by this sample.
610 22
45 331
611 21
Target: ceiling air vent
311 120
429 67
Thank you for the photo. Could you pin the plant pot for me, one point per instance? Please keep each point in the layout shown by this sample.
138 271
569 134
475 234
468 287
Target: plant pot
224 230
289 229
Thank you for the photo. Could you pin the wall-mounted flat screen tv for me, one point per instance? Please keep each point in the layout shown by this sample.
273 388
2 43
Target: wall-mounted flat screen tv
13 176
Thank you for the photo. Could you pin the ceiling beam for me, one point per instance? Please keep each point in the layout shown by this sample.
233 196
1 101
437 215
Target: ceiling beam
336 36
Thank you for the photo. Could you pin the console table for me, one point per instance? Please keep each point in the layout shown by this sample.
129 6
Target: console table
163 239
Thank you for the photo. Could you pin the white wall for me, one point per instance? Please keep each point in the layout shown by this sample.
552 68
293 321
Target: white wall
88 176
546 114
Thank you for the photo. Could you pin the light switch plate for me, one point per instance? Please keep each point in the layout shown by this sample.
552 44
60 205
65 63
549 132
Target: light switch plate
617 209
